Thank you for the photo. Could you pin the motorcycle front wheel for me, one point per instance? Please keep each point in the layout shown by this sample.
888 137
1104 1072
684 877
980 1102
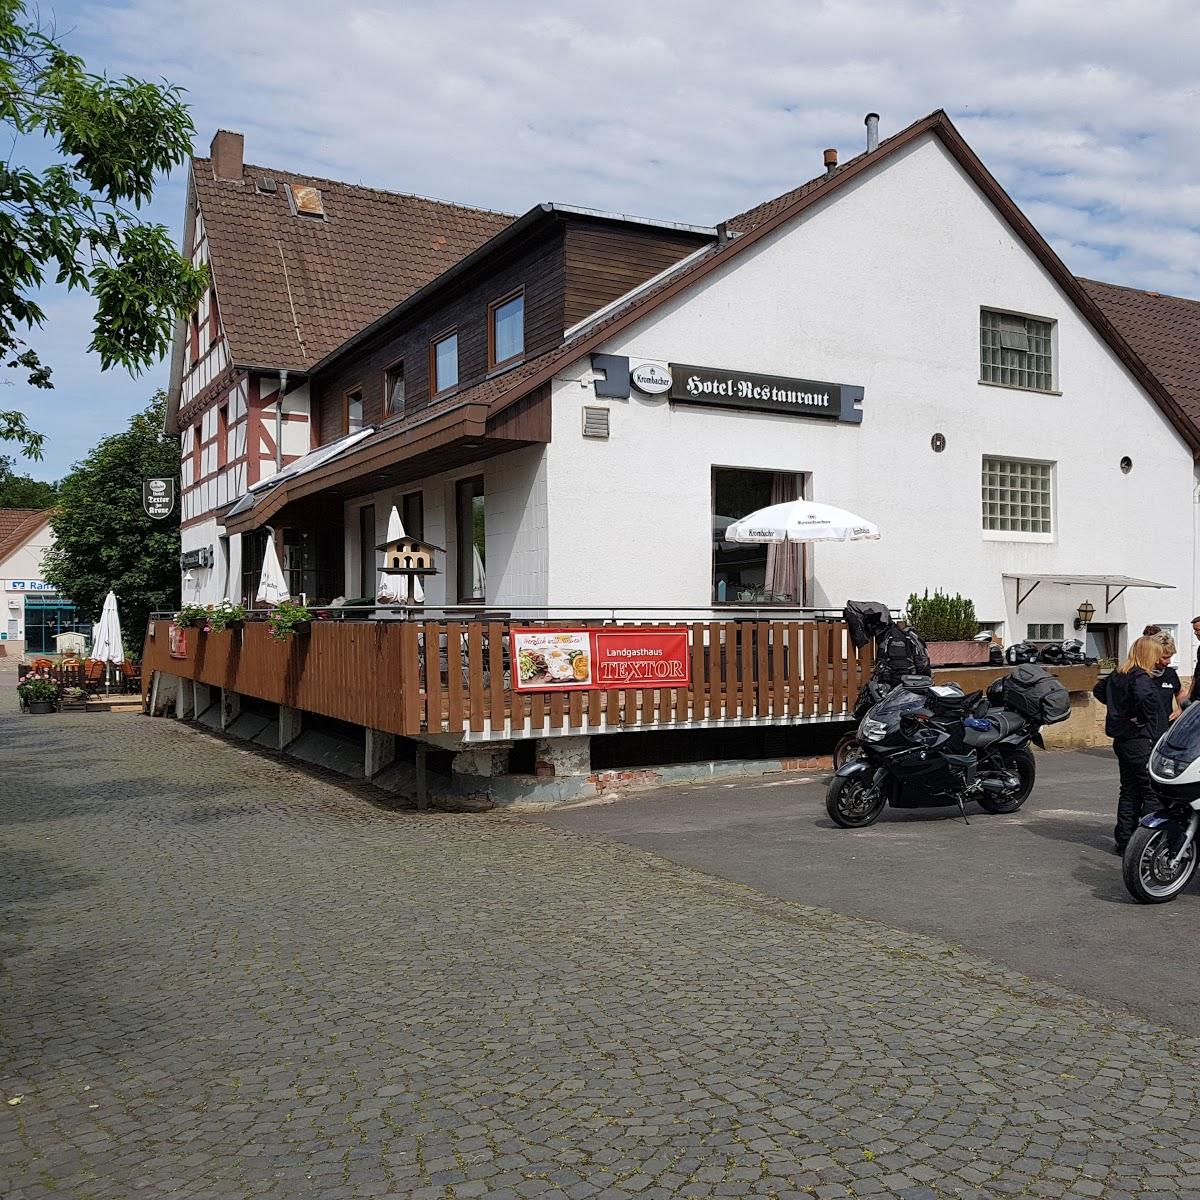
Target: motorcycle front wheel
1146 867
1018 760
853 803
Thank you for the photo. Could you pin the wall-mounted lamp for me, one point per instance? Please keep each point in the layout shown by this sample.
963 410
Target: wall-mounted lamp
1084 614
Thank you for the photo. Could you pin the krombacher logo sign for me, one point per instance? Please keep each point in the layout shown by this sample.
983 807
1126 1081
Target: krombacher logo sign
769 393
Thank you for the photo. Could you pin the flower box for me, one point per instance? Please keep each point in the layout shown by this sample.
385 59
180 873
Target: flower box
958 654
40 708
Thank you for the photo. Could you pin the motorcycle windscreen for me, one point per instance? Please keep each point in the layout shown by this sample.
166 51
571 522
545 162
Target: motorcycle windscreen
1182 740
896 703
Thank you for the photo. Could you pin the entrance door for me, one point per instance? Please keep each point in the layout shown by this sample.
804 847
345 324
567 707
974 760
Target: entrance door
366 551
1104 640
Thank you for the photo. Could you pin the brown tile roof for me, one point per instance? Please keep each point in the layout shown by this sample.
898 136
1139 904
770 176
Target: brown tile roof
372 250
1165 332
17 525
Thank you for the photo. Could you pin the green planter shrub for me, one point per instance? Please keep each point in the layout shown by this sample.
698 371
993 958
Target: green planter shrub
942 618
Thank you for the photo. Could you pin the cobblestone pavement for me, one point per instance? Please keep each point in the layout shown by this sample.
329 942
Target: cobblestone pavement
223 977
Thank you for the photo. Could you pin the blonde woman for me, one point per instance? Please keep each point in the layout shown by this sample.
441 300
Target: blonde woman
1134 721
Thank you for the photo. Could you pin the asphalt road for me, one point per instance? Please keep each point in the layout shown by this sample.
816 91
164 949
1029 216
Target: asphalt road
1040 891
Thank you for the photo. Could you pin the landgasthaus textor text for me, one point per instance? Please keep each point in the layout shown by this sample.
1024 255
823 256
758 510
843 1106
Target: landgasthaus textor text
743 389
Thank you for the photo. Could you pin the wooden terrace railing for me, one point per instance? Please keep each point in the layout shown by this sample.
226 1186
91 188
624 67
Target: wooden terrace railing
427 677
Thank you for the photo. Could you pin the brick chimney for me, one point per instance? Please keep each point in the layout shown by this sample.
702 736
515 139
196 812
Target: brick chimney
226 154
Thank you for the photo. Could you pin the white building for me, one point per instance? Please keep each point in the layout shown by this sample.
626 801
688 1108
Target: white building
971 396
34 615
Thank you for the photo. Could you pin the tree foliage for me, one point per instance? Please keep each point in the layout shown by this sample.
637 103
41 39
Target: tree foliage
20 491
102 536
74 222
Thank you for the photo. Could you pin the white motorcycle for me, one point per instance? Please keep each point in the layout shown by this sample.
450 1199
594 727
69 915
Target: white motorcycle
1160 858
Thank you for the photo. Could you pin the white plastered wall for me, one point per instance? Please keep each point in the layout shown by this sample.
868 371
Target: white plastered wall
881 288
515 528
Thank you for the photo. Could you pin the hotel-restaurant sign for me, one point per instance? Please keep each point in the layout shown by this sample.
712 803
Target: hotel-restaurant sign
765 393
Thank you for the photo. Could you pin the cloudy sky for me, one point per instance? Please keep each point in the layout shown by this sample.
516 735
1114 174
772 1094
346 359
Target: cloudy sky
1085 110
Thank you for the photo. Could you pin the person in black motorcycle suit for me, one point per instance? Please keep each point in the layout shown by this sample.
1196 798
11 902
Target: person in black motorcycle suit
1136 718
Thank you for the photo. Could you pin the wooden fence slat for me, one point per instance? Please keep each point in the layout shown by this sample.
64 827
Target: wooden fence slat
839 668
433 675
694 702
826 669
594 699
537 714
795 694
713 658
410 676
762 669
812 645
454 681
496 707
576 709
475 693
612 707
557 708
778 636
747 709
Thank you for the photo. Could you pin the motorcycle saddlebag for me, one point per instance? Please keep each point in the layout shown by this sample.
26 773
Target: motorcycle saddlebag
1034 693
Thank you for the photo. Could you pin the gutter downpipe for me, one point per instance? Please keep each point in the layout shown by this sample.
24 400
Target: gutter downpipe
283 377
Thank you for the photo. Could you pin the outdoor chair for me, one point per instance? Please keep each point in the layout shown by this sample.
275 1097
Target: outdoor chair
131 677
41 664
93 676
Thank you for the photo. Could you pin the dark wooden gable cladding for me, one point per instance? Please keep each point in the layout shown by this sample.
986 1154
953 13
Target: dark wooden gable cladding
535 264
604 260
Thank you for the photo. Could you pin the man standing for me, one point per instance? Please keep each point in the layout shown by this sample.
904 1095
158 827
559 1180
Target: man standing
1194 690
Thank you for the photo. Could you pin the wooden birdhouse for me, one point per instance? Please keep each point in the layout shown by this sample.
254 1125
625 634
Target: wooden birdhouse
408 556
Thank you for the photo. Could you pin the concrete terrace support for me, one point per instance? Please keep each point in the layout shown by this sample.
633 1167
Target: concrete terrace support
231 707
563 756
379 751
290 723
185 699
164 694
201 698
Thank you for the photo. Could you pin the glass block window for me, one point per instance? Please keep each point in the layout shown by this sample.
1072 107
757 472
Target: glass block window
1017 495
1015 351
1044 633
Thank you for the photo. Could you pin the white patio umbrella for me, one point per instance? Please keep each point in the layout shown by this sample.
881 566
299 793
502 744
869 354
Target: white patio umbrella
272 587
801 521
391 590
106 637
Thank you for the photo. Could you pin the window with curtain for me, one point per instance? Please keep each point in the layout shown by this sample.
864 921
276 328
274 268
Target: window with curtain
506 335
444 362
750 574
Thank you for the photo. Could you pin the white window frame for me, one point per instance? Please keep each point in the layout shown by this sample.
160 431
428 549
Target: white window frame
1020 535
1052 640
1052 388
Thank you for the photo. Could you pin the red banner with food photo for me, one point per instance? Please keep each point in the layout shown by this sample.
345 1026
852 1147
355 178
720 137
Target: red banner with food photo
553 660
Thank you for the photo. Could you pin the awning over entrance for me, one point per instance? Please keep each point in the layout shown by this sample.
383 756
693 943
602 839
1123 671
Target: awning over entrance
1113 585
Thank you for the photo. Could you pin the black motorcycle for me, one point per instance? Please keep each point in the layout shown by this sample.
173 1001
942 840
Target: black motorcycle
899 653
928 746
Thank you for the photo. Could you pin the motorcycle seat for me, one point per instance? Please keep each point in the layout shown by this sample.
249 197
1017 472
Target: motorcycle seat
1001 723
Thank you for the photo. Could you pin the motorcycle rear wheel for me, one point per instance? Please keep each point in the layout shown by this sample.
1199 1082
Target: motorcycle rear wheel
1146 871
853 803
847 750
1019 759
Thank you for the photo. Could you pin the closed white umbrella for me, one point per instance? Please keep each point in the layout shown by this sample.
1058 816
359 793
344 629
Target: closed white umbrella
390 589
801 521
106 637
272 587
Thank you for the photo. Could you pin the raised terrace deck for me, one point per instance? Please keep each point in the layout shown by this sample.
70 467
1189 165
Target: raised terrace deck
435 678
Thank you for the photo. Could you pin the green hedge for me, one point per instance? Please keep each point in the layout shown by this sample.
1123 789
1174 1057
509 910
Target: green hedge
942 618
